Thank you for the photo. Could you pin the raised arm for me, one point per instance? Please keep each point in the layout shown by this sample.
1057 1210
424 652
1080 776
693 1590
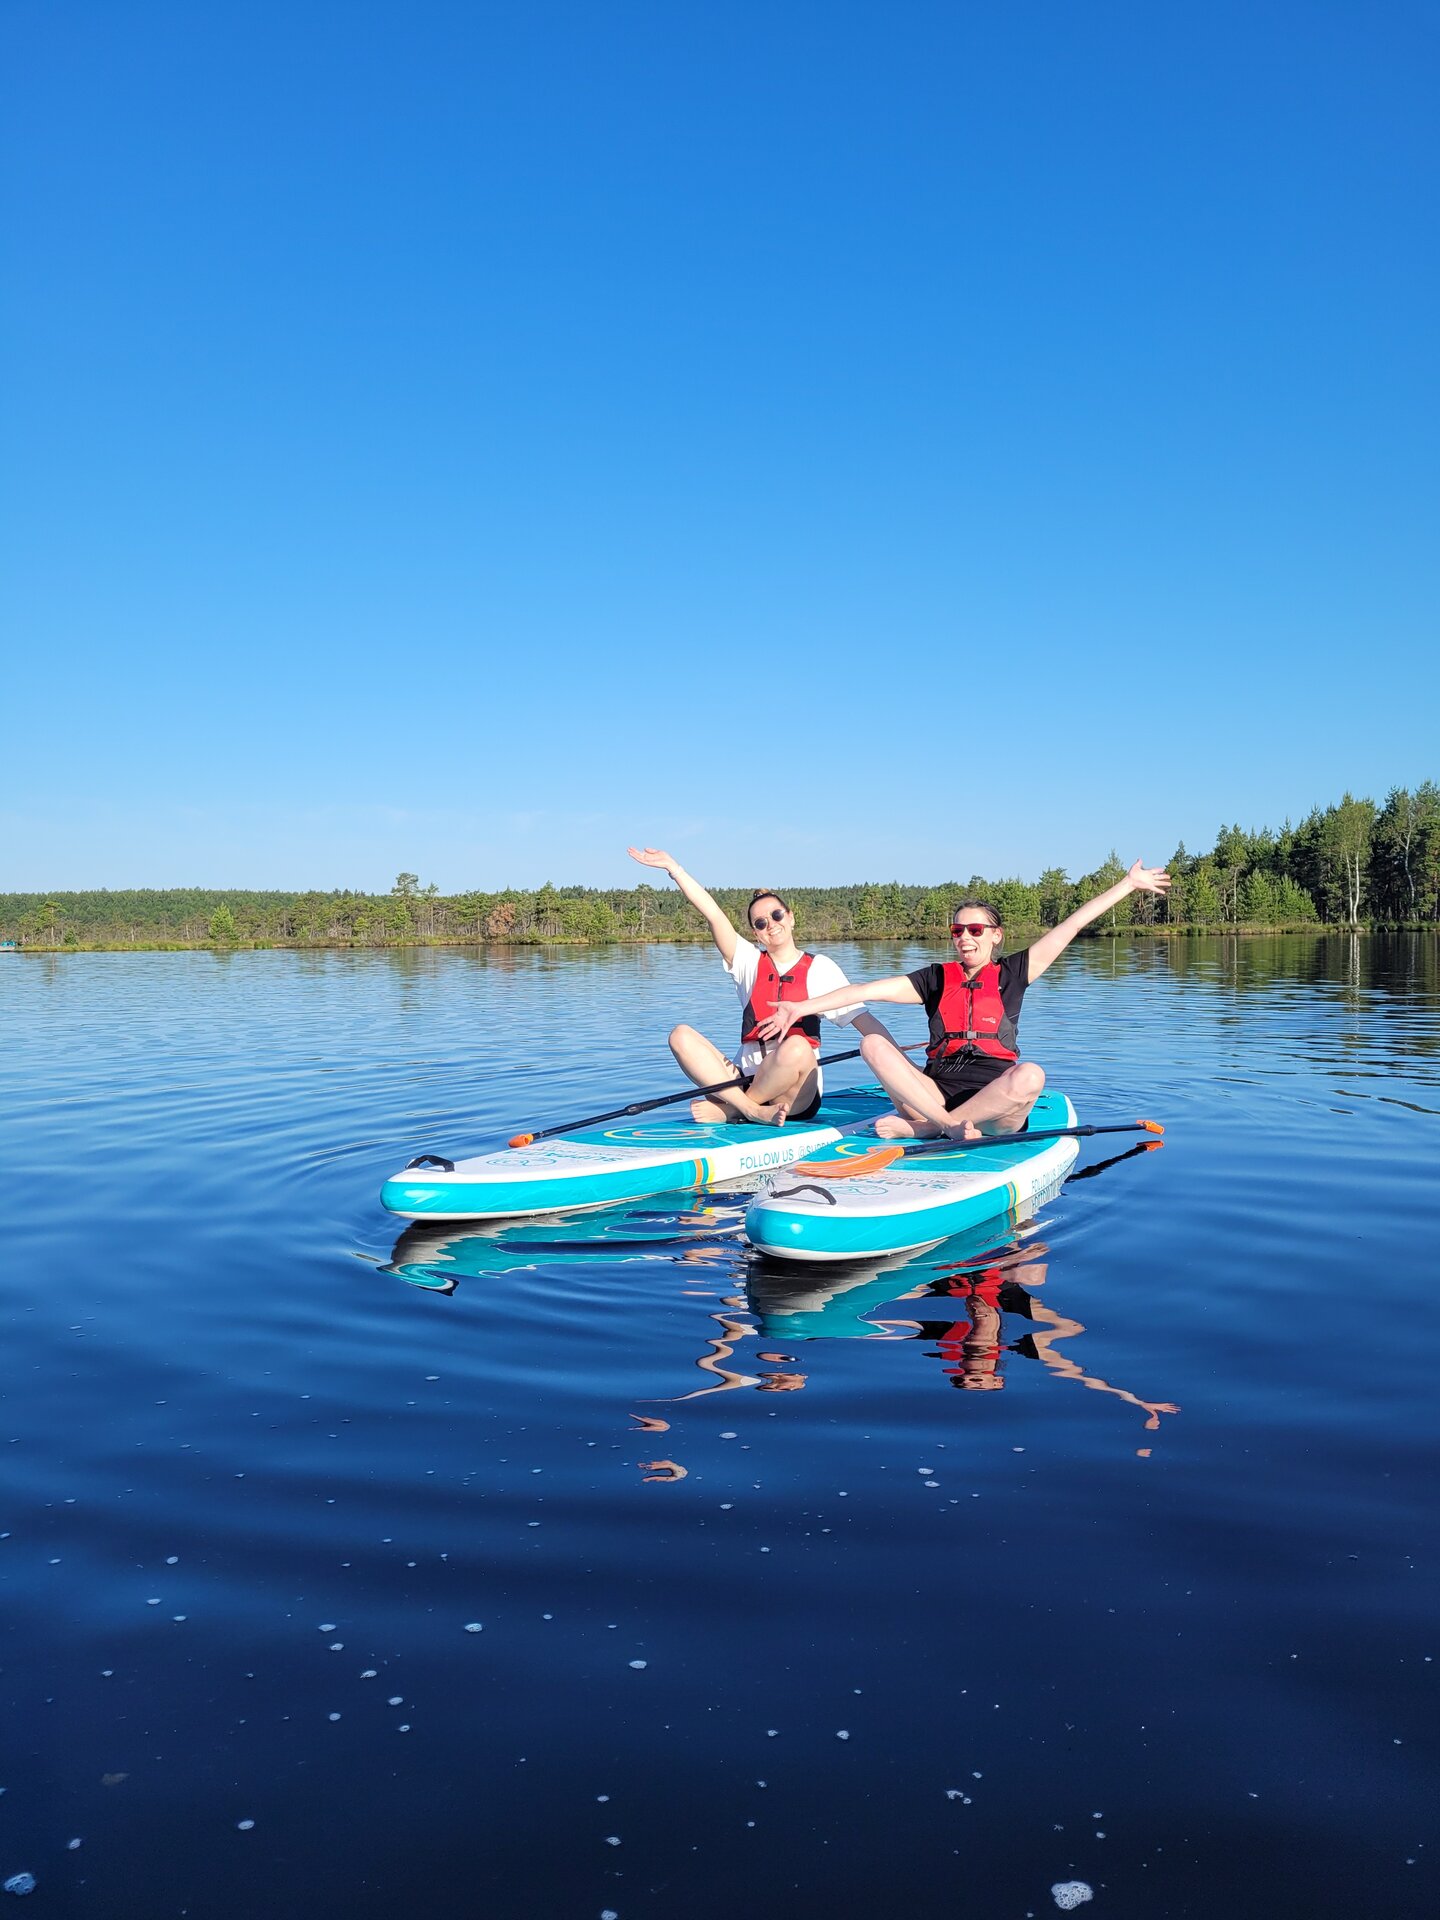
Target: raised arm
898 991
1050 946
722 930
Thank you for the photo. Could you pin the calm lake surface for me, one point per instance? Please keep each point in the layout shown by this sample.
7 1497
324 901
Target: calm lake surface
1101 1549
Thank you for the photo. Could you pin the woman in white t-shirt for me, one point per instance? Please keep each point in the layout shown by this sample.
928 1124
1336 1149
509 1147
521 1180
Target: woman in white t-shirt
780 1080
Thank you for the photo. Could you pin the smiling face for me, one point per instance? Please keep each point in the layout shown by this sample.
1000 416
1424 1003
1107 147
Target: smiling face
975 935
772 924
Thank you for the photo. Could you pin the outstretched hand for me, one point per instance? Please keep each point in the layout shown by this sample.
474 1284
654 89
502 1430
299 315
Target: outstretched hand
1144 879
780 1021
651 857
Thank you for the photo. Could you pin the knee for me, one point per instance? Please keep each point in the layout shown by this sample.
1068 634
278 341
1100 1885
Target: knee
797 1056
1028 1080
680 1037
873 1047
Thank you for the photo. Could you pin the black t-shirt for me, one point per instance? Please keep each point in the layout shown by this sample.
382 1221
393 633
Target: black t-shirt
977 1070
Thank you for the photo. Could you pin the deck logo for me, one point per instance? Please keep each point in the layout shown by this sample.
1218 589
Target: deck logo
771 1157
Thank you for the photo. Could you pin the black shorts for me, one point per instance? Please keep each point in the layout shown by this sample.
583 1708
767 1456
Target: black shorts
960 1082
806 1112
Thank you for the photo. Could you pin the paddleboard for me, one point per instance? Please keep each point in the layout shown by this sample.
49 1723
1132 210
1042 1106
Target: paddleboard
625 1160
914 1203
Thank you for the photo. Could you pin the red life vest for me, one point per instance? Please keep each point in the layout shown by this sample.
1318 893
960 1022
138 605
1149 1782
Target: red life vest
972 1347
971 1018
769 989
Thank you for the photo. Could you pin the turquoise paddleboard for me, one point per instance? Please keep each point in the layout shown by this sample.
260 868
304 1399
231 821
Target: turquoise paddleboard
916 1202
625 1160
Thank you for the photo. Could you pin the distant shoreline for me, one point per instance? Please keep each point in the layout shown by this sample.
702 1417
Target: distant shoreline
417 943
1351 865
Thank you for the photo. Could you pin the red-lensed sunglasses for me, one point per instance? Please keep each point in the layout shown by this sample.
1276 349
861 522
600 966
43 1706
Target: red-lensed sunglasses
969 926
776 913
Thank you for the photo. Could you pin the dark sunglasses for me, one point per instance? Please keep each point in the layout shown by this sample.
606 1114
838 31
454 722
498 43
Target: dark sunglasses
970 927
776 913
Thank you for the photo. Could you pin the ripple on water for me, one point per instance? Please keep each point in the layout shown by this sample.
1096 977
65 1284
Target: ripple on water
1147 1532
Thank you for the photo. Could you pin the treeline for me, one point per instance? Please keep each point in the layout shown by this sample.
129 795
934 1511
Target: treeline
1351 864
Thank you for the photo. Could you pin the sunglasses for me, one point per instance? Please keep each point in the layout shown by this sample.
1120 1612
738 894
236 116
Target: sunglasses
776 913
971 927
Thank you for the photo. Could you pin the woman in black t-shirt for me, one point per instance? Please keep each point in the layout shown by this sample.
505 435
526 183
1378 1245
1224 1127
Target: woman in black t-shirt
974 1080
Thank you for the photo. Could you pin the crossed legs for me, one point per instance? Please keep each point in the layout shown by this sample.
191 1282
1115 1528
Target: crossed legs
920 1108
784 1079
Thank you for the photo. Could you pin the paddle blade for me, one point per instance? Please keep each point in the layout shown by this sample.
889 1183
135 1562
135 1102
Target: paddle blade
875 1162
1152 1126
520 1140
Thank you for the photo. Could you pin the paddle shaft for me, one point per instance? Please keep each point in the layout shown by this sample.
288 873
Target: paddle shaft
669 1099
908 1147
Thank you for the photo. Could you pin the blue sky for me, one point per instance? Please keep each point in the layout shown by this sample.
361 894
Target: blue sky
836 442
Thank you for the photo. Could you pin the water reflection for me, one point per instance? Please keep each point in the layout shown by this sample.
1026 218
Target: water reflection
970 1304
963 1305
437 1258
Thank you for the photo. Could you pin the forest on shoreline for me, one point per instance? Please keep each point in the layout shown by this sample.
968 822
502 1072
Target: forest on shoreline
1353 864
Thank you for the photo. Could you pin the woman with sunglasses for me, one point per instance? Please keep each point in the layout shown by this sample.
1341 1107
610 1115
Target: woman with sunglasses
780 1078
974 1080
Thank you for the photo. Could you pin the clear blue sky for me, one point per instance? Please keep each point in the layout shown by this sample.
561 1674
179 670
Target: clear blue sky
833 441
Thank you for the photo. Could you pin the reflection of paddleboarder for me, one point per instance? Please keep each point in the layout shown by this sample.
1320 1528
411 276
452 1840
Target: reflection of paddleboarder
971 1348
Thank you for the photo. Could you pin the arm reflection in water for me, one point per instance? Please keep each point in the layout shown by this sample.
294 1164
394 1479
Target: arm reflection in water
971 1348
722 1348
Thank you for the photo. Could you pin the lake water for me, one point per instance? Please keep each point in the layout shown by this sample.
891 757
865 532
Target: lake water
1101 1549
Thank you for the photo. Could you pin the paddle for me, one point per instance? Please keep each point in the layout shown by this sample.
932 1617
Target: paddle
889 1151
669 1099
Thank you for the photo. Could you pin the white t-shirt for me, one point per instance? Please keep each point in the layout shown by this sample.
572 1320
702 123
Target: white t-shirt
824 977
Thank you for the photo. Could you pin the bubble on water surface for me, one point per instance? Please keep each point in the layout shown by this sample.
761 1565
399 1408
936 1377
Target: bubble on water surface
244 1825
474 1626
20 1883
639 1665
1068 1894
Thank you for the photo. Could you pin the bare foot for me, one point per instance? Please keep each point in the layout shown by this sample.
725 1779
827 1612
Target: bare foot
893 1126
707 1110
962 1130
